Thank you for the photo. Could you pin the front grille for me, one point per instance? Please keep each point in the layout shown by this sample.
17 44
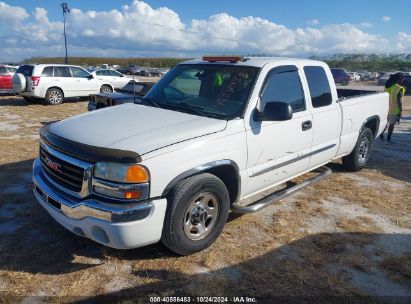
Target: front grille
67 175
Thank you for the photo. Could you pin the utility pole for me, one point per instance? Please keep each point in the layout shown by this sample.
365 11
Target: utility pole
65 11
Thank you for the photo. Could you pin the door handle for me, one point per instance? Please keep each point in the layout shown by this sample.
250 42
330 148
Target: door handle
306 125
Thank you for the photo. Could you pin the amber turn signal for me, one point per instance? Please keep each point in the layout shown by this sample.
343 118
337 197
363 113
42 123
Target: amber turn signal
136 174
132 194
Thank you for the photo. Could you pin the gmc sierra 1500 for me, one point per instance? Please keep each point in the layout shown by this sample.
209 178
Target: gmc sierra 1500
208 135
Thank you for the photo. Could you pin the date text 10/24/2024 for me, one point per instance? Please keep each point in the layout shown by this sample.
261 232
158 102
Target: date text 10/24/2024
174 299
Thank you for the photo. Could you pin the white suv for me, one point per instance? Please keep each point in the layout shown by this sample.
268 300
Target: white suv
54 82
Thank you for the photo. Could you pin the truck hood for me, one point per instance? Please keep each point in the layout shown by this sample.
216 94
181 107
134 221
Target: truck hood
136 128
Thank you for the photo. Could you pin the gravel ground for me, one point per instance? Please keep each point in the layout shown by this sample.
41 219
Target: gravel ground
347 236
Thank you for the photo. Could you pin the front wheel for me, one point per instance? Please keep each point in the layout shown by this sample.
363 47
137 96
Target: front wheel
196 213
359 157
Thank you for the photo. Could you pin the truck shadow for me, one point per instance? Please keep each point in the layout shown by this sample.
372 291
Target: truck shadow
325 266
389 157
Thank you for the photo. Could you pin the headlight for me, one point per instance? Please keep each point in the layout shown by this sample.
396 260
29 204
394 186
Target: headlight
122 173
121 181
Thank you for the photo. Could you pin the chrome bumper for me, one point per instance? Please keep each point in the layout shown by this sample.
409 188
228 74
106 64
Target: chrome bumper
77 208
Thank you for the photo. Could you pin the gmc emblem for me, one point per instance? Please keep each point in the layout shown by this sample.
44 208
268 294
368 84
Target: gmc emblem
53 165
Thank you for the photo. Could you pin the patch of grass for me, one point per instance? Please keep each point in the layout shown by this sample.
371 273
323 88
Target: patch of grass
398 267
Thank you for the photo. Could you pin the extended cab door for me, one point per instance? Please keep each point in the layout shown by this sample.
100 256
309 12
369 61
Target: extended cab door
326 114
278 150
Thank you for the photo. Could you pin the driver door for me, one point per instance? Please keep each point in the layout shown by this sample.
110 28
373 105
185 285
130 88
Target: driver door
278 150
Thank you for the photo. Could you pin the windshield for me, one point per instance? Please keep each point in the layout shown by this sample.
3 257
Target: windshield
217 91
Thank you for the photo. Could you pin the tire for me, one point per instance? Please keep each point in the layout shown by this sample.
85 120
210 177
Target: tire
196 213
19 83
54 96
359 157
106 89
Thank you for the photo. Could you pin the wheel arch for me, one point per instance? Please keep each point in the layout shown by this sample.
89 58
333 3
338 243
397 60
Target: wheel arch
55 87
372 123
226 170
109 85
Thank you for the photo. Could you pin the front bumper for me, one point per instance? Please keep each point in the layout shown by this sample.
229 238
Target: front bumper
121 226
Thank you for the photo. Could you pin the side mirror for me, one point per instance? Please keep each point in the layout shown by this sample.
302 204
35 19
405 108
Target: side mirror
90 76
274 111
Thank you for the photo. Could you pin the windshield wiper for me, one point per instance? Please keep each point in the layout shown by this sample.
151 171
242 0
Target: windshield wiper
151 101
185 107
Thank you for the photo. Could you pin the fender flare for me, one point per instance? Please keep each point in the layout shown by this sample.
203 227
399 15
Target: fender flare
377 117
204 168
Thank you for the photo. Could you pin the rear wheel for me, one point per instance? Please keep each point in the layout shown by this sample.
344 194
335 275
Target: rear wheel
54 96
196 213
106 89
359 157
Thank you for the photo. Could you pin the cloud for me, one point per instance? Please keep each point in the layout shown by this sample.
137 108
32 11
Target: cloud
404 41
11 14
313 22
138 29
365 24
386 18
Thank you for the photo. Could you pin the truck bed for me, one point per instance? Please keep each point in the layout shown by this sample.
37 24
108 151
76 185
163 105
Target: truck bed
352 92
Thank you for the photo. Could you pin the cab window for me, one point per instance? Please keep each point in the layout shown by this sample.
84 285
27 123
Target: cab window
318 85
283 84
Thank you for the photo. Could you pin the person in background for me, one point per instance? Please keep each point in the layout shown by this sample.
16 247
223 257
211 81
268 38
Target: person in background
394 87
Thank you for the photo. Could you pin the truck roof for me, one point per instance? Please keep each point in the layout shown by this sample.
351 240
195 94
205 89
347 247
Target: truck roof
255 61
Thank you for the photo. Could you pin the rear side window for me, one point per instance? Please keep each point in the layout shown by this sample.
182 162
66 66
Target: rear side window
3 70
26 70
319 86
61 72
47 72
99 73
284 86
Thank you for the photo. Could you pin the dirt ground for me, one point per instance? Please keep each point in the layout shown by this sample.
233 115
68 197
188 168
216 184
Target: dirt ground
347 236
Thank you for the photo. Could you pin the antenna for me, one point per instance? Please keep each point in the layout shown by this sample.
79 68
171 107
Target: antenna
134 87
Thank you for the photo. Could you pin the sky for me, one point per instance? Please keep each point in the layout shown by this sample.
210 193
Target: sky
184 28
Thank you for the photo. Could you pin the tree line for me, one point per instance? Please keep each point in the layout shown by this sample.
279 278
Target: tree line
351 62
98 61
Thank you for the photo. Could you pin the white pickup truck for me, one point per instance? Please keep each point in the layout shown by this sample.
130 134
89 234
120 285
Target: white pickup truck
210 134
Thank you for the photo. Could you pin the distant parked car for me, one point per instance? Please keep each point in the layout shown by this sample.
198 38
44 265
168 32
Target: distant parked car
383 79
144 72
355 76
341 76
132 92
116 79
156 72
127 71
6 75
54 82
